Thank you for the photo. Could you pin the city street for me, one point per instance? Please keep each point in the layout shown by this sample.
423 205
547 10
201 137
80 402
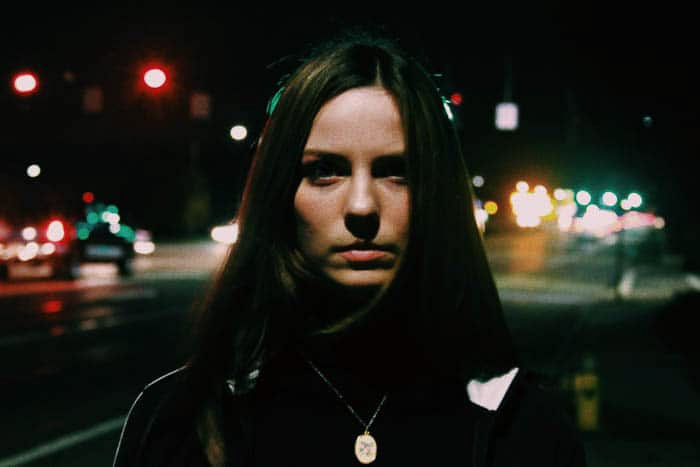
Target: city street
606 334
136 137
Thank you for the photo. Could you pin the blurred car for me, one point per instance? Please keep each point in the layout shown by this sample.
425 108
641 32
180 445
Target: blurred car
64 243
104 244
46 241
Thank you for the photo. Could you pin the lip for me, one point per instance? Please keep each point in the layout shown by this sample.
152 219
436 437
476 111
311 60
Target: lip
363 255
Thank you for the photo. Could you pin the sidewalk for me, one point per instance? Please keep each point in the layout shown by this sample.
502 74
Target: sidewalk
626 367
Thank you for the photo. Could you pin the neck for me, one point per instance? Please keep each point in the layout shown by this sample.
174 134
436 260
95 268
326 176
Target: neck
330 309
381 347
376 353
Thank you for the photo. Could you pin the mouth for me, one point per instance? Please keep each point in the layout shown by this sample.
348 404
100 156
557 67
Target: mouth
365 253
359 256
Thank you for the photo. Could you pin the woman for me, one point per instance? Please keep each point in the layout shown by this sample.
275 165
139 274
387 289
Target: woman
356 319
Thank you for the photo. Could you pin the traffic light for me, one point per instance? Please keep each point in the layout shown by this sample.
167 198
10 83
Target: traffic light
156 89
154 78
88 197
25 83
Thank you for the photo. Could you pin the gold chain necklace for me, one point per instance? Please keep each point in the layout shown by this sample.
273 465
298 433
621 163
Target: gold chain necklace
365 444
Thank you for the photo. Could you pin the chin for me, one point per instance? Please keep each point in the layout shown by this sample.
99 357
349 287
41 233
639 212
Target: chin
362 280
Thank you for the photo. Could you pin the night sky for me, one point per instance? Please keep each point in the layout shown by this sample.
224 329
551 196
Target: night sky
607 98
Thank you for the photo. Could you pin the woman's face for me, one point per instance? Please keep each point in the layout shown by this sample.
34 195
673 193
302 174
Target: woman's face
352 204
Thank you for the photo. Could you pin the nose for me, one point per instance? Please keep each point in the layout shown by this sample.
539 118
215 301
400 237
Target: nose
362 210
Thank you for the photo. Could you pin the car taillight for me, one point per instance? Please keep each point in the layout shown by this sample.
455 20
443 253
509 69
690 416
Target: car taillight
55 232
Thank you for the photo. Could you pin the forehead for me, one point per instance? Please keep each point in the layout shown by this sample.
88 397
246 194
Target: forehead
365 119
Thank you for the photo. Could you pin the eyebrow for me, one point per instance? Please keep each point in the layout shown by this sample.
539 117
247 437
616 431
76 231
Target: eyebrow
333 155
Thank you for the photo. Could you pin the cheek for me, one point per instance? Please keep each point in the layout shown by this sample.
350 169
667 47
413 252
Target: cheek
400 218
309 215
304 207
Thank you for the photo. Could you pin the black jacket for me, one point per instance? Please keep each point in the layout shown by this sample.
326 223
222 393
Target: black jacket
529 428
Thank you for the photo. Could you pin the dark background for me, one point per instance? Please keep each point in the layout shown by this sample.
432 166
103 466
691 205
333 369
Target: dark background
607 99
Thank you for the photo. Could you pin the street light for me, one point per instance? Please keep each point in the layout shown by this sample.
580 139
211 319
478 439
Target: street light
635 199
33 171
238 132
583 197
609 198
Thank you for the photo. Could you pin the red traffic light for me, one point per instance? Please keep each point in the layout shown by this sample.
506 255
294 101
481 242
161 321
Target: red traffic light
155 77
88 197
25 83
456 98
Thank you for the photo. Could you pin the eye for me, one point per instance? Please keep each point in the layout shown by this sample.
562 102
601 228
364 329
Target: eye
393 168
321 171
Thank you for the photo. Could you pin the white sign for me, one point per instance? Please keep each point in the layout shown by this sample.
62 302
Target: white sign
507 116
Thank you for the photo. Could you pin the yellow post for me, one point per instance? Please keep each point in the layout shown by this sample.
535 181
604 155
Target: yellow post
587 396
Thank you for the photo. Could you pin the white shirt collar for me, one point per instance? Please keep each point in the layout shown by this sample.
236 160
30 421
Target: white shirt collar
490 393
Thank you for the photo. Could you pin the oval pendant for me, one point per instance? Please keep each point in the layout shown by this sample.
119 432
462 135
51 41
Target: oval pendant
365 448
